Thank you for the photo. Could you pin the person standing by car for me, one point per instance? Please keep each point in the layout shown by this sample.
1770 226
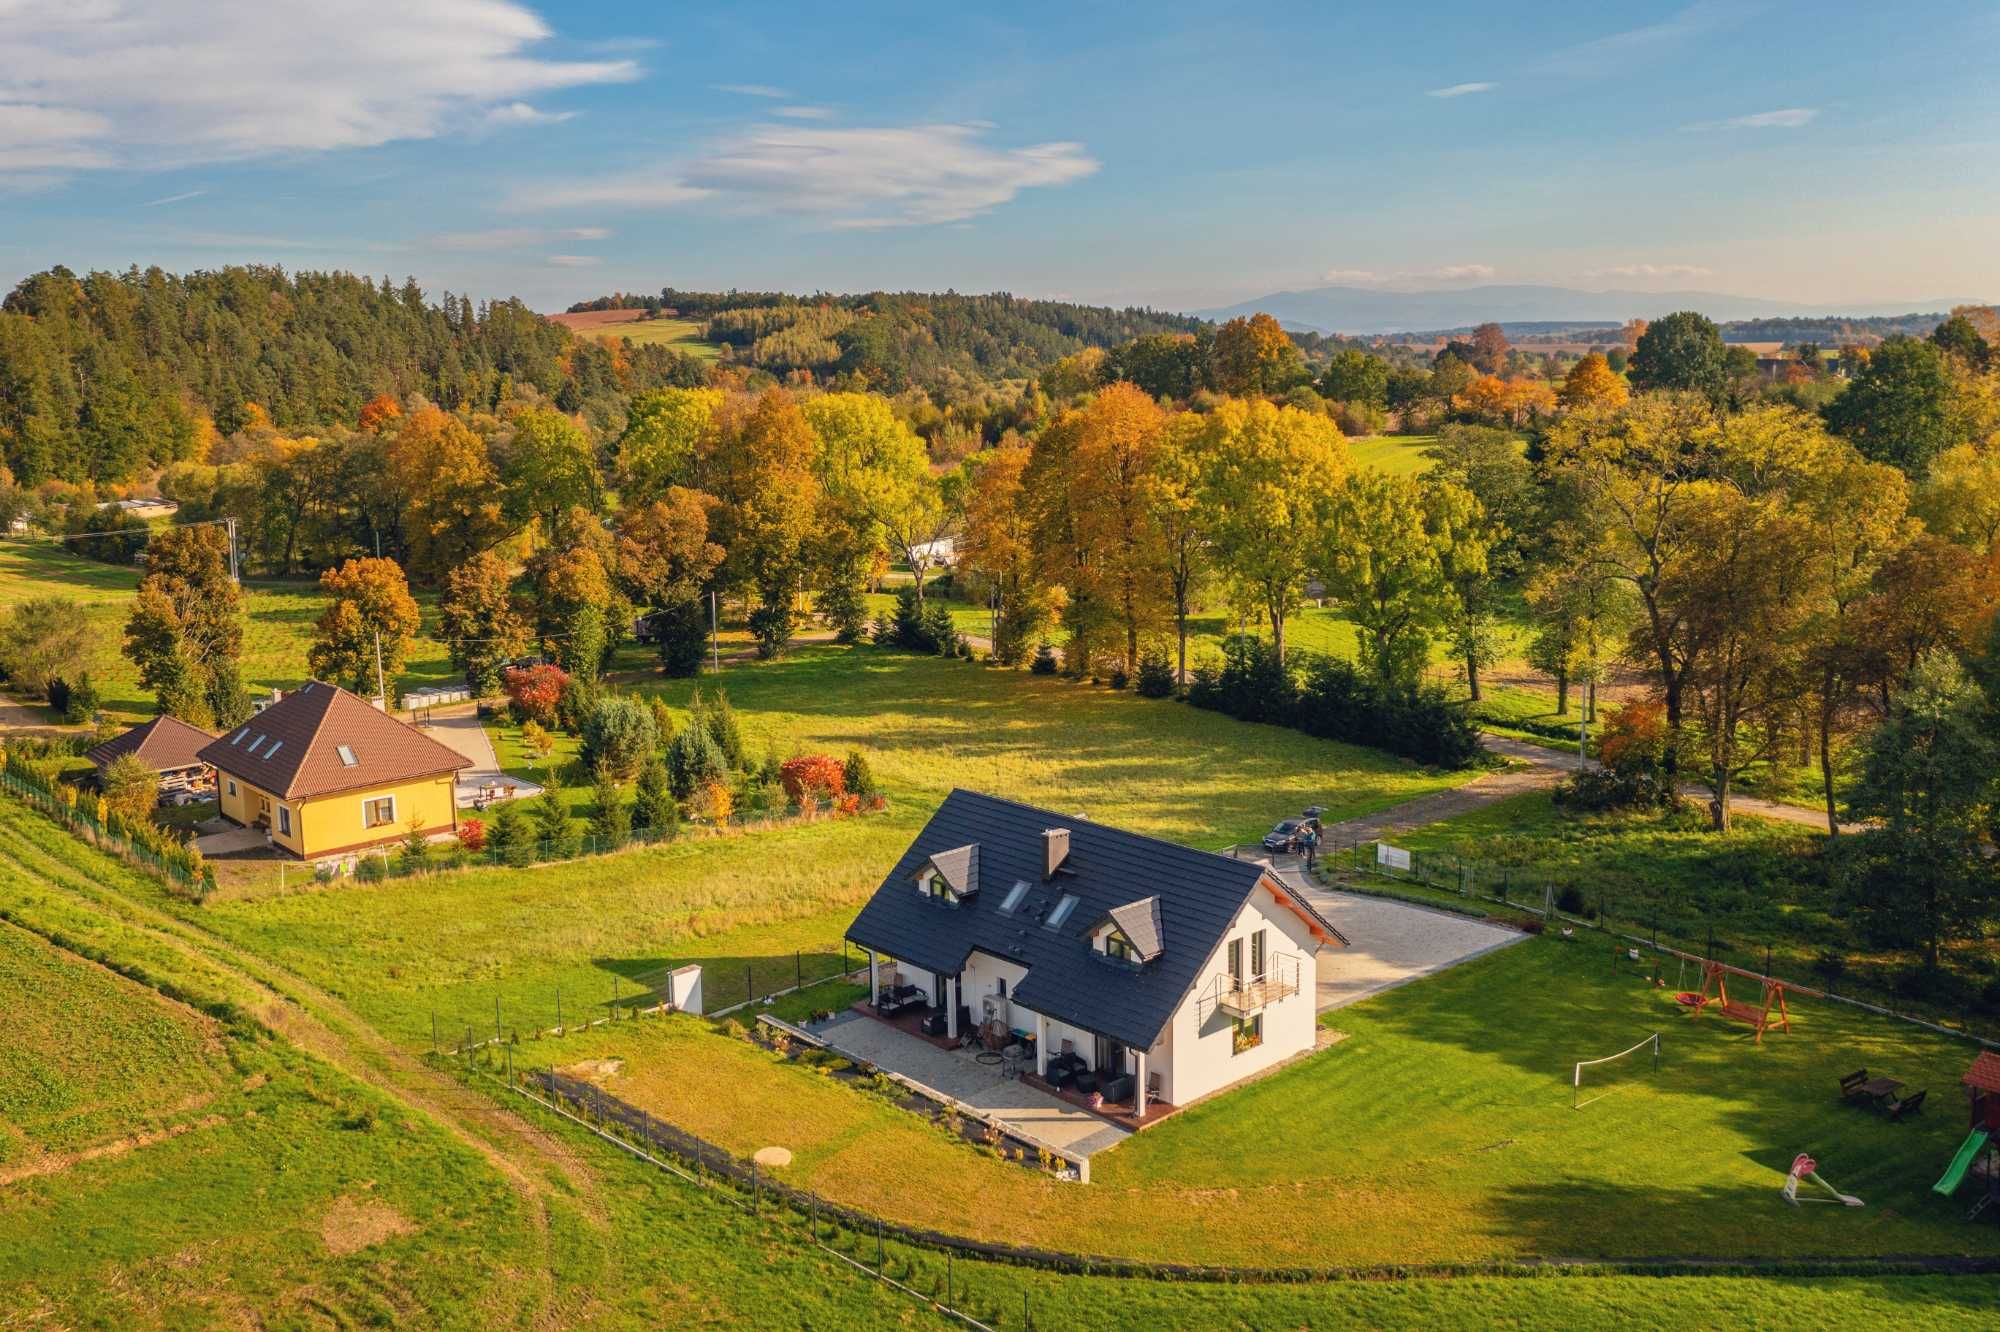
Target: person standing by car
1312 849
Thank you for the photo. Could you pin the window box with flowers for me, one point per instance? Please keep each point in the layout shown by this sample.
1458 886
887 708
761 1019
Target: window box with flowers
1249 1034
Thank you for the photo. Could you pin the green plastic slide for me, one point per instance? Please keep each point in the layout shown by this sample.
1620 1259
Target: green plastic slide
1955 1175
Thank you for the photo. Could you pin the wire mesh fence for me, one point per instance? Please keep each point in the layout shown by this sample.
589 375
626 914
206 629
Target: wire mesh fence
172 865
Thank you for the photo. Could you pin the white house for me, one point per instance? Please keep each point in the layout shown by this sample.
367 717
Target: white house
1138 968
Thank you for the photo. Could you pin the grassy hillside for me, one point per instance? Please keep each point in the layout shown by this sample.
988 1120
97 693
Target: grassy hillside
682 335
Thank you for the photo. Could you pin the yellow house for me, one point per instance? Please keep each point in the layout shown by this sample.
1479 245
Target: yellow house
327 773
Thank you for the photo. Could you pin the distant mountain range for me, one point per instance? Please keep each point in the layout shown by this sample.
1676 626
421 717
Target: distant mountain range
1362 310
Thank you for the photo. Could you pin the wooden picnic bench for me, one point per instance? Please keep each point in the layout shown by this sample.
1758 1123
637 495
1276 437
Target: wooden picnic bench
1850 1084
1908 1105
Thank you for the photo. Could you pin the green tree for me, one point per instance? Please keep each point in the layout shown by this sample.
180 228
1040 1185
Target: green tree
1271 476
1354 376
550 468
694 761
481 621
653 807
1927 773
44 639
131 787
1899 409
185 629
763 474
1388 558
1683 352
666 432
618 736
554 829
610 818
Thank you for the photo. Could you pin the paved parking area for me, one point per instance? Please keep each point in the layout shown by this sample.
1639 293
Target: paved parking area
1390 943
1041 1118
460 728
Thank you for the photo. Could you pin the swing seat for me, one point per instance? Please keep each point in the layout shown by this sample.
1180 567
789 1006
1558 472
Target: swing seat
1689 999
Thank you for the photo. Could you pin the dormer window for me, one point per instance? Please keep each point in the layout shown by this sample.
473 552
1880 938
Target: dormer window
950 876
1118 946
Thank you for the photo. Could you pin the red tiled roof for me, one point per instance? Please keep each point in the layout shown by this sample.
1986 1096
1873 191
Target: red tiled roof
163 744
1984 1075
293 748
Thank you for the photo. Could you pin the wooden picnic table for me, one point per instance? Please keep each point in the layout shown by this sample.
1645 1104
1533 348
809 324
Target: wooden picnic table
1880 1089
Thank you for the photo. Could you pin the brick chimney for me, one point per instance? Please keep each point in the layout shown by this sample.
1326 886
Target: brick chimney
1055 850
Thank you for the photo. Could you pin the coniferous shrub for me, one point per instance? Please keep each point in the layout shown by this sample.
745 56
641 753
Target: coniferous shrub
1156 674
1044 662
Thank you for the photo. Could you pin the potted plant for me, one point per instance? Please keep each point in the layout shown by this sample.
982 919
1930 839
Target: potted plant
1097 1100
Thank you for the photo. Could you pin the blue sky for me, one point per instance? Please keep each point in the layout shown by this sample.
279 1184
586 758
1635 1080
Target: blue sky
1173 154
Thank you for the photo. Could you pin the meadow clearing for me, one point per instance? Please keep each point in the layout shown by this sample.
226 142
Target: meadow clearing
683 335
278 616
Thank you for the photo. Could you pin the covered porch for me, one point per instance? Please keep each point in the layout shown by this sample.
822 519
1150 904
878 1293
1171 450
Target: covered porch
1070 1063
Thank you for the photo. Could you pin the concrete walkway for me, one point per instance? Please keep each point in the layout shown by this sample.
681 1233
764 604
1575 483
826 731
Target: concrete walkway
1389 943
1040 1117
460 728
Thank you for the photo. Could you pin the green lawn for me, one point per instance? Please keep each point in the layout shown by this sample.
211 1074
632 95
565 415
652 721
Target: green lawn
253 1219
454 942
1398 455
278 619
1764 884
1440 1130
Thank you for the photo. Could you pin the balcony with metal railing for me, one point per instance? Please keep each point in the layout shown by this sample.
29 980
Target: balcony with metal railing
1242 997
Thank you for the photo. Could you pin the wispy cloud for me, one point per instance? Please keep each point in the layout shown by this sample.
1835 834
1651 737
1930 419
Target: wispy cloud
573 261
118 83
182 197
804 113
1650 271
1601 57
1370 277
1791 117
521 113
753 90
848 178
515 238
1461 89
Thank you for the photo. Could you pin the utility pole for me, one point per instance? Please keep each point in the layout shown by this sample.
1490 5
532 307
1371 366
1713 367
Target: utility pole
230 525
380 692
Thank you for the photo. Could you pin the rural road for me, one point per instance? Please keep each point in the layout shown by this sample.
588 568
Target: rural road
1542 769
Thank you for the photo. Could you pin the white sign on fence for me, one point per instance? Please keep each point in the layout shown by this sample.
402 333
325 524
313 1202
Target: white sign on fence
1394 857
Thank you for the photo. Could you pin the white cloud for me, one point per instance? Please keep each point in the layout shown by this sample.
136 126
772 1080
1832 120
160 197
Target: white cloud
182 197
804 113
152 83
753 90
1369 277
573 261
850 178
1461 89
520 113
1604 56
36 135
515 238
1650 271
1791 117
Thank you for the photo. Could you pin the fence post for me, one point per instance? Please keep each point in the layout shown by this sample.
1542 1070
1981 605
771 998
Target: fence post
434 1031
878 1245
496 1017
947 1276
559 1024
1027 1311
799 969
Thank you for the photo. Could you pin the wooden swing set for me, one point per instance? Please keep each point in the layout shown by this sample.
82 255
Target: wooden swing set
1715 994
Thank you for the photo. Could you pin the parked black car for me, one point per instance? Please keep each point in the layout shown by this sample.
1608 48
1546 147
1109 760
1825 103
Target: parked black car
1289 837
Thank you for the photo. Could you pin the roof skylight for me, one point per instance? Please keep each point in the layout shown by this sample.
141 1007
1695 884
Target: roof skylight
1060 912
1014 896
346 752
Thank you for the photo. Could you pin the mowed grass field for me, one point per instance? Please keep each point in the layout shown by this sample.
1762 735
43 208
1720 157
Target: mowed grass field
455 942
278 623
683 335
342 1205
1439 1130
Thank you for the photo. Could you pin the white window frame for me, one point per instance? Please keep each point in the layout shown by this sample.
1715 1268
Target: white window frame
389 822
285 820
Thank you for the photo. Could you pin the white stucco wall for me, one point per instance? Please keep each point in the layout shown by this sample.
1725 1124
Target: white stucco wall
1200 1052
981 978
